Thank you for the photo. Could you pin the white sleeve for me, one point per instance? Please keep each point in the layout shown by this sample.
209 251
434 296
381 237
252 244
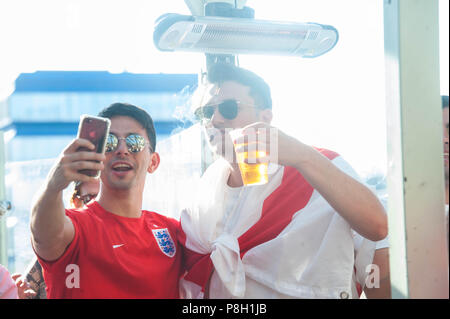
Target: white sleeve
384 243
364 252
358 241
8 288
364 248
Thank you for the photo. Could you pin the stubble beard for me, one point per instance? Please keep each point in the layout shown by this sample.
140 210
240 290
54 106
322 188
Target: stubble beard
220 144
120 184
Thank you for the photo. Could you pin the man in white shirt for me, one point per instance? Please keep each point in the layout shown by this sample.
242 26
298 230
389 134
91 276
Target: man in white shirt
290 238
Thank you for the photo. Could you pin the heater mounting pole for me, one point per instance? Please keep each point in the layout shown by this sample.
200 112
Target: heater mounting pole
197 6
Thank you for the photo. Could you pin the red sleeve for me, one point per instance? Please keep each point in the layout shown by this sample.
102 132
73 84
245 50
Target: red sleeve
70 255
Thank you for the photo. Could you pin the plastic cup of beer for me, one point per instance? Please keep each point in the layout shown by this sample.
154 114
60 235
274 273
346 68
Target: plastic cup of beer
252 173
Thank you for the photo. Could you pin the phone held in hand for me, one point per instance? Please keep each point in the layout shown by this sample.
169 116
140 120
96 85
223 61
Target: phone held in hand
96 130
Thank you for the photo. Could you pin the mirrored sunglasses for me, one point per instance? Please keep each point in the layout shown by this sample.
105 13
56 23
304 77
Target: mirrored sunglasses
135 143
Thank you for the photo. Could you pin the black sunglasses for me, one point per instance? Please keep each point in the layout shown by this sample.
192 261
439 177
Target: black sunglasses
229 109
135 143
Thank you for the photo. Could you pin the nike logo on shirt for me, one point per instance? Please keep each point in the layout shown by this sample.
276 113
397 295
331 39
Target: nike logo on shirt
117 246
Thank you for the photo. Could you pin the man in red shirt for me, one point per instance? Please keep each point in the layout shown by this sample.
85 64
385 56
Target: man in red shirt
111 248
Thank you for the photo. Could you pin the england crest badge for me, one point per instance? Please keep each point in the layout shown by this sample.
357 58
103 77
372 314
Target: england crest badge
164 241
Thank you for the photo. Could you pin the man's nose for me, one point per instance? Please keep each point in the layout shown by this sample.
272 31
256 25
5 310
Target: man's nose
217 119
121 147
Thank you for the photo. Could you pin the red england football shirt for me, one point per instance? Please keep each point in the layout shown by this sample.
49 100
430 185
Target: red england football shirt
113 256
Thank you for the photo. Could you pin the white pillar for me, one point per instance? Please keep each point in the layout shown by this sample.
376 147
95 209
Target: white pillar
417 231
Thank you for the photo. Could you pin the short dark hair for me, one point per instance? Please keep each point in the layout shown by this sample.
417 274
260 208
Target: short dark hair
136 113
259 89
444 101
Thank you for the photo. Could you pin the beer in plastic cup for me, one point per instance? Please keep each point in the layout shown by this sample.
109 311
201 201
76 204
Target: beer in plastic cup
252 173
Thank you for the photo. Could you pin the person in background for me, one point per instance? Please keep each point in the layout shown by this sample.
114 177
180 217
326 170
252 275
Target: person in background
8 289
83 193
32 285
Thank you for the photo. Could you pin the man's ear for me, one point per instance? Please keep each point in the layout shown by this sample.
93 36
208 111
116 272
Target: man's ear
154 162
266 116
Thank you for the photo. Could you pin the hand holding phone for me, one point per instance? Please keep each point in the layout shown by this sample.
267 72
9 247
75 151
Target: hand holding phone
94 129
